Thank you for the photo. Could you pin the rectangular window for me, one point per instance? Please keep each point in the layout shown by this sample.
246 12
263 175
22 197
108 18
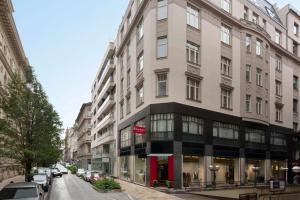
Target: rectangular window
193 89
248 43
192 15
295 48
162 85
258 47
226 66
258 105
162 9
258 77
265 24
192 125
140 63
129 19
140 95
162 47
227 131
278 88
295 127
140 138
255 135
246 13
295 105
121 110
128 80
248 103
277 37
266 80
140 30
248 73
296 29
192 53
278 63
266 108
278 139
128 105
226 99
125 137
295 82
225 34
255 18
226 5
162 123
278 114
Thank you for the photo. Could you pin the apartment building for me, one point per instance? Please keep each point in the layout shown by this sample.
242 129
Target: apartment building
202 84
12 60
104 130
83 131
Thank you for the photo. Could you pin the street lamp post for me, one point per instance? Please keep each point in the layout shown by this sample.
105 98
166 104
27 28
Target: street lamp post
214 169
255 169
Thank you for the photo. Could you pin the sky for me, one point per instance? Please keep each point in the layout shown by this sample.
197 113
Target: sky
65 40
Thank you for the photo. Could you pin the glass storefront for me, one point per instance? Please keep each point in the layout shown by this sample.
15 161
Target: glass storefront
255 169
140 170
278 169
125 168
192 171
228 170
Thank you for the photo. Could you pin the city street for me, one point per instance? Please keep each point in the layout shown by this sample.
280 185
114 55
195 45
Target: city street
70 187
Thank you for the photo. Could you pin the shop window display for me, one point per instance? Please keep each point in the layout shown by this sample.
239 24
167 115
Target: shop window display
140 170
125 168
278 167
191 171
250 173
228 172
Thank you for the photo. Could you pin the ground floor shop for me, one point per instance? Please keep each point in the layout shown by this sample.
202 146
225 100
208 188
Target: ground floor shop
184 146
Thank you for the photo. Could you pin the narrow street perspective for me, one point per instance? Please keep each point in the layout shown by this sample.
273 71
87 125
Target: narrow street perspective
149 100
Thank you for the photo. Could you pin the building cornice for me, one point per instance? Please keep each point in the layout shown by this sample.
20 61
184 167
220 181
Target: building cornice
6 18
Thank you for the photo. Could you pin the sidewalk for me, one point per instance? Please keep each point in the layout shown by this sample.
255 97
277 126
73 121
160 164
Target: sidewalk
144 193
14 179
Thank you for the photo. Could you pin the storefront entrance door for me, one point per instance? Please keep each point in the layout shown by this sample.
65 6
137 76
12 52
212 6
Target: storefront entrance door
162 170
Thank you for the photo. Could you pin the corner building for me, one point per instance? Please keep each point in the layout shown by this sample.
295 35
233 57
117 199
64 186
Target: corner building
214 82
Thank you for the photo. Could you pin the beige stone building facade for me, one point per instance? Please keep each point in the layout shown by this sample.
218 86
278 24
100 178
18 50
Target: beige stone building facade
82 129
211 83
12 60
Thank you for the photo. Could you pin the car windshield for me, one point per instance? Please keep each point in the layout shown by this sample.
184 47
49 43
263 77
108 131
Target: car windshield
80 170
18 193
39 177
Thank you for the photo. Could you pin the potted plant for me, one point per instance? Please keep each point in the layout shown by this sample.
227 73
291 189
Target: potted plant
155 183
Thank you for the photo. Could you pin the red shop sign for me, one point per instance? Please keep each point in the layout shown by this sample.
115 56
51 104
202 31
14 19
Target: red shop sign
139 130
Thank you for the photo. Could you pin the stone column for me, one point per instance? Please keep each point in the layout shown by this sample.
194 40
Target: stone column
177 149
268 166
208 160
242 165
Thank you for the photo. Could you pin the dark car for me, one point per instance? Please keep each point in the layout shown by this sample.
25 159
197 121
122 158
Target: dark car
56 172
24 190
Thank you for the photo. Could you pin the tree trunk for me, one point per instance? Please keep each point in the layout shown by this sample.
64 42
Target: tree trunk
27 171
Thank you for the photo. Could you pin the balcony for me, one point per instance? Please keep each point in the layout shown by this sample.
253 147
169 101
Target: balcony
106 105
85 139
107 120
106 88
108 69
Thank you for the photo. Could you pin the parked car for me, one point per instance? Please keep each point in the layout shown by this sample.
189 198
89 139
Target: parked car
80 172
42 179
55 172
87 175
48 172
94 177
25 190
62 169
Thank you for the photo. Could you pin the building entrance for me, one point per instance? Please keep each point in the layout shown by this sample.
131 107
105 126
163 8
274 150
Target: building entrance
162 170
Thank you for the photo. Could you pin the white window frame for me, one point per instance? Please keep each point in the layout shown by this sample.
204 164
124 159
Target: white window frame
193 87
140 63
225 34
248 103
255 18
226 99
277 37
258 105
162 9
162 47
258 47
140 95
278 63
162 78
278 88
140 30
278 115
226 5
296 29
226 68
192 49
248 73
192 16
248 43
258 77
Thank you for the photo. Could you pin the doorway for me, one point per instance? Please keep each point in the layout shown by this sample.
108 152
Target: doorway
162 170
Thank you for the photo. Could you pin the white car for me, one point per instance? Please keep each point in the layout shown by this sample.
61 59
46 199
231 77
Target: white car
42 180
80 172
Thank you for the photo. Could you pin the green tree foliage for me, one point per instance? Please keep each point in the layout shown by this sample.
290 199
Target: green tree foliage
30 129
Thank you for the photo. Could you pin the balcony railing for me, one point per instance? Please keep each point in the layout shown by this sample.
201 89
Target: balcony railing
106 120
108 68
108 101
107 87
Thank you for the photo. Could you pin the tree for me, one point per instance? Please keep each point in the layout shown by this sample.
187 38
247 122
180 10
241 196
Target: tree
30 128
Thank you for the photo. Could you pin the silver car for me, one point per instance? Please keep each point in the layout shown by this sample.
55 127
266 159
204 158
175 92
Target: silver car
22 191
42 180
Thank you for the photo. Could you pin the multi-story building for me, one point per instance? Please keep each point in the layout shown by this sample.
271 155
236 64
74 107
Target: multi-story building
67 150
83 132
104 130
214 83
12 60
72 145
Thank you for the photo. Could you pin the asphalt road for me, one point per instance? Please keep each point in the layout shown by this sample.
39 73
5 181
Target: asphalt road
192 197
70 187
